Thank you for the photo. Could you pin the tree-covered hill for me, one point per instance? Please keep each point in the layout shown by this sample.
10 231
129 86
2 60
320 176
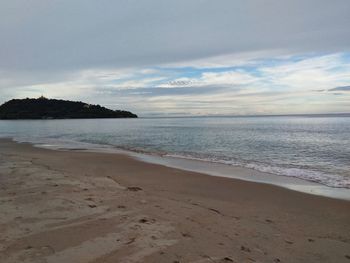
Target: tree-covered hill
43 108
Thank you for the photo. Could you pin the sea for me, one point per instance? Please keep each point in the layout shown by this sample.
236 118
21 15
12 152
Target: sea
313 148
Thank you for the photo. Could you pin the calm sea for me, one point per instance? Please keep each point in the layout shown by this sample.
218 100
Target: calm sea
311 148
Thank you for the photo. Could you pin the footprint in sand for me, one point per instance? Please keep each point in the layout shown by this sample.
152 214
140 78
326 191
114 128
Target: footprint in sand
134 188
227 259
188 235
245 249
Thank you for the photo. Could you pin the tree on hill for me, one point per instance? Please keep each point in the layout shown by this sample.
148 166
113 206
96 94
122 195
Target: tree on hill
43 108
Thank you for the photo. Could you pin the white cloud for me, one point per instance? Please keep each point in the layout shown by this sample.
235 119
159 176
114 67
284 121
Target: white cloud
236 59
219 79
279 85
227 78
138 83
322 72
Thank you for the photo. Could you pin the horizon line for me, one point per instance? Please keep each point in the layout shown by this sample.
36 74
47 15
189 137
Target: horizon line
342 114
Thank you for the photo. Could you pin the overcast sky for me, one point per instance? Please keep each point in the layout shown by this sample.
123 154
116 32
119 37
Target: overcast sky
183 57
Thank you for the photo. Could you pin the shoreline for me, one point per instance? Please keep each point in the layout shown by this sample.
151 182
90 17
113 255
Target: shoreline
71 206
236 172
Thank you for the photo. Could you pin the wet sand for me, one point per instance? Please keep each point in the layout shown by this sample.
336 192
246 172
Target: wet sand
71 206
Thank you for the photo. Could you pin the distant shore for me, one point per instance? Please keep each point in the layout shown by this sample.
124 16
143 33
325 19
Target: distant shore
71 206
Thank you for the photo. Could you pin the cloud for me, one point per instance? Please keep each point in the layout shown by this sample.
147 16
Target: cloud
218 79
270 86
343 88
168 57
72 35
309 73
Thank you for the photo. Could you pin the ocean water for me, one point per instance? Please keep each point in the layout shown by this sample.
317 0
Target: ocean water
312 148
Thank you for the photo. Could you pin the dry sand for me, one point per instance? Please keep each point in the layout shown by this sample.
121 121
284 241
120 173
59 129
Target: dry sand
62 207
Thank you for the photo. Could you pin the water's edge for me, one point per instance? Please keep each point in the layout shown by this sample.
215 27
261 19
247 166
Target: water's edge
312 149
212 168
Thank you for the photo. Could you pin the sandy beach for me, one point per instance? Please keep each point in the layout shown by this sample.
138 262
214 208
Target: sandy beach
71 206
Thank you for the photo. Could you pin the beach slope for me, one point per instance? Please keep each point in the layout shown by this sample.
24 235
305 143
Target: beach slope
71 206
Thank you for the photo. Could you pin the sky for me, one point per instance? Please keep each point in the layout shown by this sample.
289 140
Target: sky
179 58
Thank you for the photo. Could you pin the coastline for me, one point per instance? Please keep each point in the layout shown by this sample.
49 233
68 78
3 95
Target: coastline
62 206
286 147
244 174
205 167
